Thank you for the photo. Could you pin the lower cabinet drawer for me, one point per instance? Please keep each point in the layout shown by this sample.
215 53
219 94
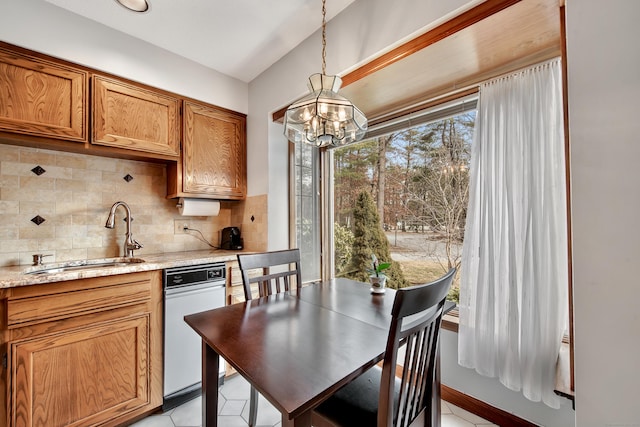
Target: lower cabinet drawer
76 298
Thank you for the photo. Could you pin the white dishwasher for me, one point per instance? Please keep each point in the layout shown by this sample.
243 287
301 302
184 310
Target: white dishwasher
187 290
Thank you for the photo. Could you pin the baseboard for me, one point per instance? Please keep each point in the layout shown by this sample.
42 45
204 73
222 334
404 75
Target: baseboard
482 409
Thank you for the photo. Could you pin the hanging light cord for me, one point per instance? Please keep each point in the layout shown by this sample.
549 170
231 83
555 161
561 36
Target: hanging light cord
324 37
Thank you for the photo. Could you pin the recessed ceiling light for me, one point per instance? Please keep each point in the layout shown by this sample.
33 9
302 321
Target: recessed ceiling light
135 5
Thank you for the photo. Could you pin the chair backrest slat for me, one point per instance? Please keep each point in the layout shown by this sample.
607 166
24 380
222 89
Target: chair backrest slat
415 325
271 271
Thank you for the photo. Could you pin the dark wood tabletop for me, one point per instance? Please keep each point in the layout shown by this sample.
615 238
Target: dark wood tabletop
295 350
353 299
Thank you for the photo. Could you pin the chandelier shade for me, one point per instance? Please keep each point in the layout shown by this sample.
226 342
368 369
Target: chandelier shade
323 117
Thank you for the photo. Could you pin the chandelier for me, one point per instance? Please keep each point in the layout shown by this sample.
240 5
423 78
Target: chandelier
323 117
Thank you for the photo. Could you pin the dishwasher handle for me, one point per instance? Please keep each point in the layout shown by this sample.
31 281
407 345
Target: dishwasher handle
176 290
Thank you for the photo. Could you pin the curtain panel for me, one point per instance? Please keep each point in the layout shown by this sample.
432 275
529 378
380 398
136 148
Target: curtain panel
514 276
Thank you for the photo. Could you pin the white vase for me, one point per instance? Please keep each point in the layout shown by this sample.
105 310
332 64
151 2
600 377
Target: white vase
378 283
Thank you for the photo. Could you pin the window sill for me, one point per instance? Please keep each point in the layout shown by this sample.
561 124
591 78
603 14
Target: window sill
450 320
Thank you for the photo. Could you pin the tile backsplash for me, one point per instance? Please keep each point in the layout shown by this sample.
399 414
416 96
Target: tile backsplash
74 194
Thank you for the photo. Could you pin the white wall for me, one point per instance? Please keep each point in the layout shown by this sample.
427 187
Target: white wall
604 86
40 26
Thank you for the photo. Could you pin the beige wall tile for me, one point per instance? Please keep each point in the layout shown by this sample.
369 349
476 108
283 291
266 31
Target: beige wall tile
85 242
37 183
8 181
74 231
8 153
37 156
70 185
8 207
9 259
14 168
21 245
73 161
100 164
62 255
8 233
42 231
90 175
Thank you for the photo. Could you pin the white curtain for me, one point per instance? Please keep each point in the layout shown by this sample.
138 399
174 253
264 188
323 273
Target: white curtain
514 278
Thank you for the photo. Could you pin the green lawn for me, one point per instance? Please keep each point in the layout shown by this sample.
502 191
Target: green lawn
425 271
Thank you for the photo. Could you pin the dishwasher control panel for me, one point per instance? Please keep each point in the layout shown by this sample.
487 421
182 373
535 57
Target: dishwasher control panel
193 275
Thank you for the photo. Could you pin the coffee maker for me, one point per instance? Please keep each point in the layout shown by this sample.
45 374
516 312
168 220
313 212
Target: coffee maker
230 239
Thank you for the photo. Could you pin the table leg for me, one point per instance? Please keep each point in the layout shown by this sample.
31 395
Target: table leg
303 420
210 365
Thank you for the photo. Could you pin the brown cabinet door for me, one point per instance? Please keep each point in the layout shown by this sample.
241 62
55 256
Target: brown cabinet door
42 98
81 377
214 152
134 118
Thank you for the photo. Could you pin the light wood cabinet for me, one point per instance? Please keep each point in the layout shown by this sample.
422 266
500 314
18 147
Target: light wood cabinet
83 352
213 163
135 118
235 288
42 98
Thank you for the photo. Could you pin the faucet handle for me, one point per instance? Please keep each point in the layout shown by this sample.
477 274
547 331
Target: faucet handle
37 258
135 245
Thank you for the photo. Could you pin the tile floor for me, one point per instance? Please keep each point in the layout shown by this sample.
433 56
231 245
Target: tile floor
234 411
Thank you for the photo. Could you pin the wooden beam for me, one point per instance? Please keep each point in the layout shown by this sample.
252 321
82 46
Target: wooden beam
440 32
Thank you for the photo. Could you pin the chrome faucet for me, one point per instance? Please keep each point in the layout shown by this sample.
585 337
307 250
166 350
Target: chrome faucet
130 244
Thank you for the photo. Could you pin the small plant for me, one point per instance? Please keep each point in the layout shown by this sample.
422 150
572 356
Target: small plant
377 267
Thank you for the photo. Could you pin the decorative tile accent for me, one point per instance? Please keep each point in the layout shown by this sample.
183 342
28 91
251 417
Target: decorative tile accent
38 170
128 178
37 220
253 218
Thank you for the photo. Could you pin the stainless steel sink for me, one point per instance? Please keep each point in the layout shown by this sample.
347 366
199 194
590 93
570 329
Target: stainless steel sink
82 265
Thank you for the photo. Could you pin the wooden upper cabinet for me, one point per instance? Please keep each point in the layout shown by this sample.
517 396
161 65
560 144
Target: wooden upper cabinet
42 98
135 118
213 154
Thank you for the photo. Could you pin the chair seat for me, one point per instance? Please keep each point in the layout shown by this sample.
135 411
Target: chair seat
356 404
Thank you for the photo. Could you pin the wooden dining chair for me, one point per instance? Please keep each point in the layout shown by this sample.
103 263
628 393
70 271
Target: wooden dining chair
382 398
273 272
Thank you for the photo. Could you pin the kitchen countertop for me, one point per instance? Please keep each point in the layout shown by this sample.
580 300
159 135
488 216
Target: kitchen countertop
11 277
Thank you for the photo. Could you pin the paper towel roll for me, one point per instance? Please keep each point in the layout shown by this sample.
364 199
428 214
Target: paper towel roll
198 207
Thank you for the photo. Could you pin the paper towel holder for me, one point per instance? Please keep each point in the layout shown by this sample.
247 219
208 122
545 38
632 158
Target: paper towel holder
198 207
179 203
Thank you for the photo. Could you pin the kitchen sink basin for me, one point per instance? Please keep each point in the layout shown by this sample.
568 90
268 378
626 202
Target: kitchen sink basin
85 264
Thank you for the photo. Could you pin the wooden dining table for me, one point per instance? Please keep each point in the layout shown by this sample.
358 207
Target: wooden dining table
296 350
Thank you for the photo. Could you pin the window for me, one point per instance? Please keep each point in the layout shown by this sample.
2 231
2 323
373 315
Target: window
424 184
307 224
417 172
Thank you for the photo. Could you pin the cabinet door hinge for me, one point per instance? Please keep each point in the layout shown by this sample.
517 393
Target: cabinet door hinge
4 361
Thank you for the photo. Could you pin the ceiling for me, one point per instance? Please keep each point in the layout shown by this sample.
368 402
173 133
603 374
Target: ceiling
240 38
